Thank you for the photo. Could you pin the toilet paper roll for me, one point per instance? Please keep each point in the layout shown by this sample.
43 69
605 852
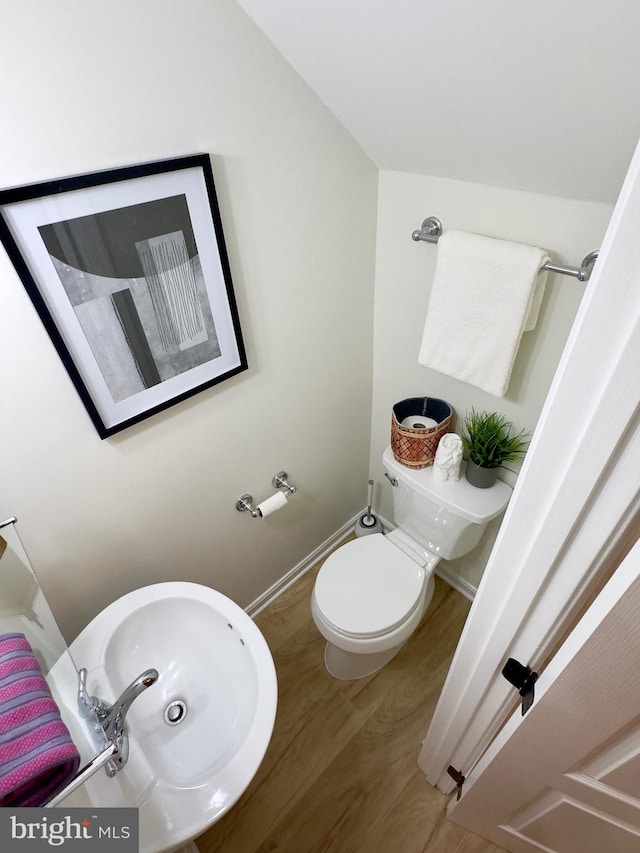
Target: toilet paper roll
418 422
272 504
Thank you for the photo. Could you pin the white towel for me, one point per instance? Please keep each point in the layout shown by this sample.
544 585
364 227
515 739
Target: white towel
485 294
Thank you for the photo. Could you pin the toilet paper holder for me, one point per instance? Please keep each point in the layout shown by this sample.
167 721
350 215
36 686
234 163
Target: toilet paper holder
279 481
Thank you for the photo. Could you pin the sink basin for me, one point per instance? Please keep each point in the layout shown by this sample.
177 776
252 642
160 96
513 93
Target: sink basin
196 736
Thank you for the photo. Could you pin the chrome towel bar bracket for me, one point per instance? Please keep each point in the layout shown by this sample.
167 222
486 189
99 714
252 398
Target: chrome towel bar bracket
432 229
430 232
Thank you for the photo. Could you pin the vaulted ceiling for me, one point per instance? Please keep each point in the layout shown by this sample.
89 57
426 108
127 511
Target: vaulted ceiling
541 95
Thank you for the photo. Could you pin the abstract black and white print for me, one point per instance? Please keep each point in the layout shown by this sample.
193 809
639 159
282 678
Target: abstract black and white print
134 280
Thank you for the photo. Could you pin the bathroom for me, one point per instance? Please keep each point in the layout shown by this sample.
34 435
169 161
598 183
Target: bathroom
331 294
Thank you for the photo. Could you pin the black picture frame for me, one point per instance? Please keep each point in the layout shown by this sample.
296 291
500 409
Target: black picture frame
128 271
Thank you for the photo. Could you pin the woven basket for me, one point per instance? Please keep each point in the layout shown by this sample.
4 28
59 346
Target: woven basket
416 448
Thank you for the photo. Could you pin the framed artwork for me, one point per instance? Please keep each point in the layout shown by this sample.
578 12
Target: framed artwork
129 273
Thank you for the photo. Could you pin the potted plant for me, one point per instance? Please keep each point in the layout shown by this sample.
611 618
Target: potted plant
490 441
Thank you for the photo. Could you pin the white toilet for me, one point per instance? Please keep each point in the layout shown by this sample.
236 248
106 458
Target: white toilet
372 592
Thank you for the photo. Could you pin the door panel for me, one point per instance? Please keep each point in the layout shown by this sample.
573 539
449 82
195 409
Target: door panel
565 778
564 825
618 767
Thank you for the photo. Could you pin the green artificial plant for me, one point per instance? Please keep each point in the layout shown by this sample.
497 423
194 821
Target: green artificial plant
490 440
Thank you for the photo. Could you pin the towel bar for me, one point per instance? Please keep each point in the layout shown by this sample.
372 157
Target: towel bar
432 229
83 774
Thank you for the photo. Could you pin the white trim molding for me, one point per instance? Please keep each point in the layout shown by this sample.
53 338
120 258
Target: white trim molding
573 510
449 576
294 574
341 535
323 550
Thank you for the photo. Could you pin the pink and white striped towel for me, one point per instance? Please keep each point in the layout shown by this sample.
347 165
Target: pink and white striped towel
37 755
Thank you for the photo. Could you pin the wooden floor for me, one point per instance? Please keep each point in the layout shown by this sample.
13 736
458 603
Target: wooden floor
340 774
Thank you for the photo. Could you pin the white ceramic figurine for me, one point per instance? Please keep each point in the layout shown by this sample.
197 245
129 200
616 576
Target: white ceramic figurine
446 465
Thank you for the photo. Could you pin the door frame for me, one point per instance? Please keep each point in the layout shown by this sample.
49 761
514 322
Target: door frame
574 511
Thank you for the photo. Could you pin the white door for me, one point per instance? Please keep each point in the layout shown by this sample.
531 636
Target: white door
574 512
566 776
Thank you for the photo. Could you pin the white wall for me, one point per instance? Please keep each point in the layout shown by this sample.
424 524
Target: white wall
92 86
404 272
103 85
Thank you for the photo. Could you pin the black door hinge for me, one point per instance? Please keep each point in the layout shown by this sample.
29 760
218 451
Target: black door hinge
458 778
523 678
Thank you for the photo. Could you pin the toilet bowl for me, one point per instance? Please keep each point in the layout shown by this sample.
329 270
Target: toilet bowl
368 599
372 592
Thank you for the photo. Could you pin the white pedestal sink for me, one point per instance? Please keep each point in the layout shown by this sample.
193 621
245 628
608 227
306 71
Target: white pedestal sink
196 736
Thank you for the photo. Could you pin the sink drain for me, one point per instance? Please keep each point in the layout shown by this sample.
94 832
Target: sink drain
175 712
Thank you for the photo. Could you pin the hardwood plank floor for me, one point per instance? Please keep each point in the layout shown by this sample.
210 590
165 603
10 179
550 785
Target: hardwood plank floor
341 774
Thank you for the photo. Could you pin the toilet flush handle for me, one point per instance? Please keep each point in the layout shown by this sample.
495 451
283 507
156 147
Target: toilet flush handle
392 480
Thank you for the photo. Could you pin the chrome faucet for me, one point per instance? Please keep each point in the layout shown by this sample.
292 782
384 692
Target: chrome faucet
112 717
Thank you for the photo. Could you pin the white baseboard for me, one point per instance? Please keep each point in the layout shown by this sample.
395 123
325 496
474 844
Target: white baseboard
294 574
298 571
458 583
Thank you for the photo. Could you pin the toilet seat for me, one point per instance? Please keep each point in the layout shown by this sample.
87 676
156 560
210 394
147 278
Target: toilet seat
368 587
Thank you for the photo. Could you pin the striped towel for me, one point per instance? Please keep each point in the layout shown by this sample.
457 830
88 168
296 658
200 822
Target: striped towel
37 755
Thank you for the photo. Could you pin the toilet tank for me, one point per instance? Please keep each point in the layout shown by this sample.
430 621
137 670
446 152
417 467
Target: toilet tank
447 518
